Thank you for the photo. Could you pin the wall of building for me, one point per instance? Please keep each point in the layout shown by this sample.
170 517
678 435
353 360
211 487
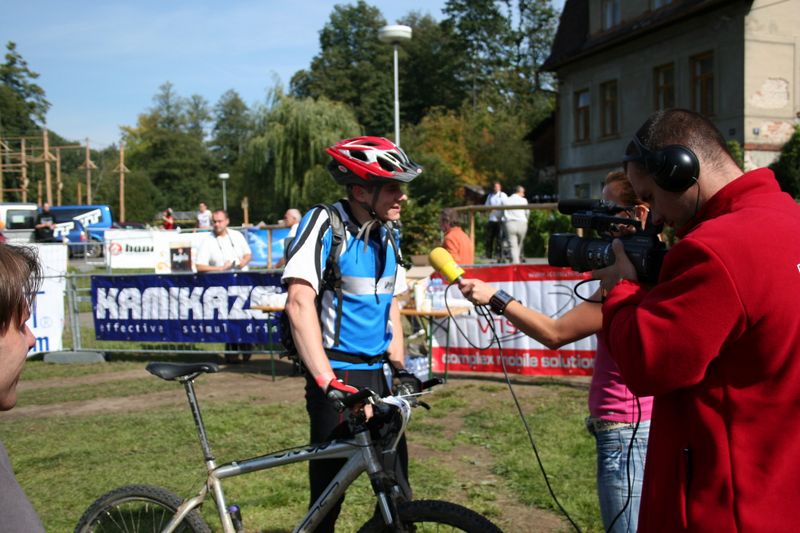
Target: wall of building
632 64
771 78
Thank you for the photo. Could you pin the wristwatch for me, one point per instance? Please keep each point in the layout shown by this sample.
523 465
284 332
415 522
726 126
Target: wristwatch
499 301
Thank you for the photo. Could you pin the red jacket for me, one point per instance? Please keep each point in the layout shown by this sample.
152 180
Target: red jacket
717 342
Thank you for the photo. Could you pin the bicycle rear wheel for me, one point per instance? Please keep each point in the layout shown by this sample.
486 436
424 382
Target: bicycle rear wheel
139 508
433 515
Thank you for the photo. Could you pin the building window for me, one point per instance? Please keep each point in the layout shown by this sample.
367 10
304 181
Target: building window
610 14
664 86
608 108
702 66
582 115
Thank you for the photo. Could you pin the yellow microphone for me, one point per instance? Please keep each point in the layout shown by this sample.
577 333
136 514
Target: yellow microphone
444 264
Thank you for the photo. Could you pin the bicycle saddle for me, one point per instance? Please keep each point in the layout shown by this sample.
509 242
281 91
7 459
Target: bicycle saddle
172 371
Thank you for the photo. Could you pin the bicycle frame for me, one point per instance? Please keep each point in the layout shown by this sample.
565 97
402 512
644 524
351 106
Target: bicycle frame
359 452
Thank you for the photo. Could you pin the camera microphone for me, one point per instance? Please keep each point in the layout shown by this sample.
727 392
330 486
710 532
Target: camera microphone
574 205
444 264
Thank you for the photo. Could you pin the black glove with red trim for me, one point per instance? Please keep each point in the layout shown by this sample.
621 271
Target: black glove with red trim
336 391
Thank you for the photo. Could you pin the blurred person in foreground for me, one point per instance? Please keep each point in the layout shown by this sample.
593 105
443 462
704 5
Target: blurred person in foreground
20 278
717 340
614 411
344 335
455 240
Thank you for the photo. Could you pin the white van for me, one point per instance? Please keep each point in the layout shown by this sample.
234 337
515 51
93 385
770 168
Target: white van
18 221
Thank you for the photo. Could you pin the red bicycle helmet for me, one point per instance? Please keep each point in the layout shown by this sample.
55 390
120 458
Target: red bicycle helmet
368 160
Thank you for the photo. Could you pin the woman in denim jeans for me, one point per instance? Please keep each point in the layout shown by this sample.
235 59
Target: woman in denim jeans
614 412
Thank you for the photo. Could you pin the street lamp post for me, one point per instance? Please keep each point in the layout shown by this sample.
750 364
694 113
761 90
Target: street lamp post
224 178
394 35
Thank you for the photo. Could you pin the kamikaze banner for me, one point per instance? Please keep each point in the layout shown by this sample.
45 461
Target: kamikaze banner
184 308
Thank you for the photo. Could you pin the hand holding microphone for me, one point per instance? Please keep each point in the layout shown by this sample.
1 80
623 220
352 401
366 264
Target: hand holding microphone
475 290
444 264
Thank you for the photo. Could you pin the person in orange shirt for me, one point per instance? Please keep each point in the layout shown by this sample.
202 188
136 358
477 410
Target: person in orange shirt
456 241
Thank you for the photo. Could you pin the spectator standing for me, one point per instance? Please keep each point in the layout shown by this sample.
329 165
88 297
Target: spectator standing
224 250
614 411
168 219
496 197
291 219
456 241
344 335
44 230
203 217
20 278
717 340
516 223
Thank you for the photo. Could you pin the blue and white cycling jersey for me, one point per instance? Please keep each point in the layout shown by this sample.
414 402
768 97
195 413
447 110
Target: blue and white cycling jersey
370 279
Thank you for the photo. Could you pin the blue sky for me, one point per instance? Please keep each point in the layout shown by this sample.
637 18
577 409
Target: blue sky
101 62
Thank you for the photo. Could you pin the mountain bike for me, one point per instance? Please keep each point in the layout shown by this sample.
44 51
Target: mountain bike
146 508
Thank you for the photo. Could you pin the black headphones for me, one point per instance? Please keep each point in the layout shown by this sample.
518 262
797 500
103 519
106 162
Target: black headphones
674 168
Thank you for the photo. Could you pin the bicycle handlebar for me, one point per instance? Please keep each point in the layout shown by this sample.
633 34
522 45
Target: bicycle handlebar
357 397
365 394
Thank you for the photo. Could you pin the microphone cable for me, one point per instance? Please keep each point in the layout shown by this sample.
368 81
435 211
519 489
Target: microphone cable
484 312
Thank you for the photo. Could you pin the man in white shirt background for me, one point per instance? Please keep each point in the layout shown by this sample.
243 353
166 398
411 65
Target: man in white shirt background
222 249
515 222
496 197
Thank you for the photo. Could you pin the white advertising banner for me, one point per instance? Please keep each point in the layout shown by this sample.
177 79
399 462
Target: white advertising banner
47 316
129 248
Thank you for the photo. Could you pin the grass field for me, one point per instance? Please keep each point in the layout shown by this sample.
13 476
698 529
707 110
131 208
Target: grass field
470 448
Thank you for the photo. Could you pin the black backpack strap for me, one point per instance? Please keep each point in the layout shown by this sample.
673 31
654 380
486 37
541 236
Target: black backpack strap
332 276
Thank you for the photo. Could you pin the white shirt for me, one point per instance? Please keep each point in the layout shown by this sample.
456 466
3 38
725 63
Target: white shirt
204 219
214 251
516 214
496 198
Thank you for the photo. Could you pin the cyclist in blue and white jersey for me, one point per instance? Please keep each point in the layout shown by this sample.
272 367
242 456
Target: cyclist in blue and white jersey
344 336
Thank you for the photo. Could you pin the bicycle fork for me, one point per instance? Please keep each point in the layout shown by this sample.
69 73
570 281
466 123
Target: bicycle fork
386 491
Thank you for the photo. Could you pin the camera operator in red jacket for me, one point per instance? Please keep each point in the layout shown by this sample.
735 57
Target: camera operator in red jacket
717 340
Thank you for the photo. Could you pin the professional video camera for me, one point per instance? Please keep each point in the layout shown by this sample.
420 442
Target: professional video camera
643 248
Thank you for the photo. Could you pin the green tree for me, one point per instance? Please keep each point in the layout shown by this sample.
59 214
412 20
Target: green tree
198 115
430 69
285 159
787 167
353 67
485 35
230 130
165 147
22 101
169 108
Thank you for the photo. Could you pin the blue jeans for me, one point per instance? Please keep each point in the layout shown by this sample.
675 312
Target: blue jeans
613 466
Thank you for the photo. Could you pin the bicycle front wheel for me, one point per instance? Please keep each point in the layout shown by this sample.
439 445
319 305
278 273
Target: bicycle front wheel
139 508
433 515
